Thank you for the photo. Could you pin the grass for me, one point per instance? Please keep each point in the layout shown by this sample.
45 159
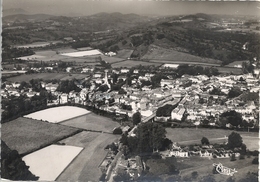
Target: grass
132 63
85 166
228 70
188 136
27 135
93 122
124 53
46 76
163 54
204 167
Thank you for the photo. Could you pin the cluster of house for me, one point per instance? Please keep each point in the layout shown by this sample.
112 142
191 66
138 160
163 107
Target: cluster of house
191 93
207 151
199 104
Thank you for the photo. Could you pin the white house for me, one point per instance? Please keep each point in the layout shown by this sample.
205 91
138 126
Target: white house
63 98
51 87
124 70
68 69
177 153
177 113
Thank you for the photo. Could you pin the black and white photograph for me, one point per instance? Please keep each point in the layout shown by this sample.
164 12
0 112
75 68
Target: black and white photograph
130 90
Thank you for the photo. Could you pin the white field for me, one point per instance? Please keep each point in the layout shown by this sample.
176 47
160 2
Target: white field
58 114
83 53
49 162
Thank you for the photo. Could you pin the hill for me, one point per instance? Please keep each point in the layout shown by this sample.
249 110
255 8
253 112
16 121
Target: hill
26 17
14 11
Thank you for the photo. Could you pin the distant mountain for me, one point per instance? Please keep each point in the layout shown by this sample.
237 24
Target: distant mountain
14 11
24 17
106 21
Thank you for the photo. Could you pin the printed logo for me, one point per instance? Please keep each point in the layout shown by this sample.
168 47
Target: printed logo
224 170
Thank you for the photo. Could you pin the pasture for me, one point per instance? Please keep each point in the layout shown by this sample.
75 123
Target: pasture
187 136
124 53
236 71
92 122
163 54
58 114
133 63
204 167
49 162
46 76
85 166
27 135
33 45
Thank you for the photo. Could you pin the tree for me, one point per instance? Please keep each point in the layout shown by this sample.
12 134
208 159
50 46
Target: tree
255 161
117 131
234 92
137 118
234 140
232 117
204 141
13 167
150 137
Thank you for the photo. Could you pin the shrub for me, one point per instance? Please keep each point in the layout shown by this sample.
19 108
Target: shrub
194 175
255 161
117 131
241 157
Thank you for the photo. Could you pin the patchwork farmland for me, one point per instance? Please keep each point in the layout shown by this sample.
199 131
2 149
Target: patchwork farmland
85 166
92 122
132 63
27 135
46 76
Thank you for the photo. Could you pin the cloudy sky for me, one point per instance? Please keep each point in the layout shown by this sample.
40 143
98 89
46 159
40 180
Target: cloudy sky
143 7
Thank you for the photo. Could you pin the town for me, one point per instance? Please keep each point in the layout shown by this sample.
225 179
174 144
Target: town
130 97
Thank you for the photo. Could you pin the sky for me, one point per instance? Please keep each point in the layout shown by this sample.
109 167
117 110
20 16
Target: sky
141 7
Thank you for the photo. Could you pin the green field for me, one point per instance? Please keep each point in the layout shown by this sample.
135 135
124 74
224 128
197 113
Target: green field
229 70
132 63
27 135
204 167
46 76
85 166
163 54
92 122
187 136
124 53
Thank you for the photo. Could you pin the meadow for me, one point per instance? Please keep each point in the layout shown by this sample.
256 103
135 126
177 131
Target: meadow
27 135
33 45
124 53
46 76
92 122
163 54
58 114
188 136
86 166
204 167
132 63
